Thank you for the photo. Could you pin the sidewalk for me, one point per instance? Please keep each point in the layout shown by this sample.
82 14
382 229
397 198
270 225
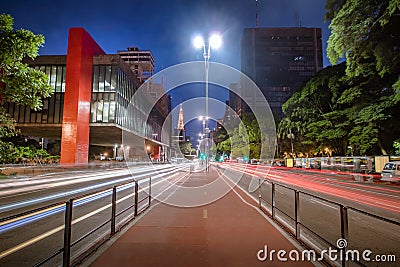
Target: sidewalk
227 232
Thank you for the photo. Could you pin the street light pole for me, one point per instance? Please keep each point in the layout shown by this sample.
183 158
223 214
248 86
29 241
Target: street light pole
215 41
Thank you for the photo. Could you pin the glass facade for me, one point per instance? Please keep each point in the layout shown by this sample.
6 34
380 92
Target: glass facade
113 90
104 88
113 87
52 110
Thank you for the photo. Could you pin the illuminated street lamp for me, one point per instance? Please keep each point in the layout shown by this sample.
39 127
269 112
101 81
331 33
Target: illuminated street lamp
215 41
204 119
291 137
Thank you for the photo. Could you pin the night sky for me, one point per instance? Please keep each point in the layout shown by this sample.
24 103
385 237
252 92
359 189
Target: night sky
164 27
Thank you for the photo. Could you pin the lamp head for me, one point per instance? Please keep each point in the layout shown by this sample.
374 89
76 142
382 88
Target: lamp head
198 42
215 41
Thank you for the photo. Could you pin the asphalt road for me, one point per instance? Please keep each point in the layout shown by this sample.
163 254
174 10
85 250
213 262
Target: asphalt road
321 195
19 195
24 242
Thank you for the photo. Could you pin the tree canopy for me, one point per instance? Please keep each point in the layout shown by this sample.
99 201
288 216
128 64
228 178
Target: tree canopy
23 85
367 33
245 140
355 103
19 83
186 148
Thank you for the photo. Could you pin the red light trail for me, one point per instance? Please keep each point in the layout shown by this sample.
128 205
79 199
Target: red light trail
341 186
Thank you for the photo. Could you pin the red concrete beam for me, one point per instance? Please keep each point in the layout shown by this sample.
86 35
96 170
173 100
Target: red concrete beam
78 89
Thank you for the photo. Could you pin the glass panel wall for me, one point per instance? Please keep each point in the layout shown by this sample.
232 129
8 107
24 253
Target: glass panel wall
112 92
104 78
52 110
102 108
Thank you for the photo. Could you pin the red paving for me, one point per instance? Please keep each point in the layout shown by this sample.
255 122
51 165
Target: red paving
227 232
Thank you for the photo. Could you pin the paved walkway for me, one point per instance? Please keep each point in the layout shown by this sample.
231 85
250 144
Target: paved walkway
227 232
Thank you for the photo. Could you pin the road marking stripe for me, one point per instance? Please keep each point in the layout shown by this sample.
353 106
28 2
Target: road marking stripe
205 215
30 242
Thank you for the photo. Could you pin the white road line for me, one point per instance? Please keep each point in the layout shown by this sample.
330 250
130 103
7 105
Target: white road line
273 223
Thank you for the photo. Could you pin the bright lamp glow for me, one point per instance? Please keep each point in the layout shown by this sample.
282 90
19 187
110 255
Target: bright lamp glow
215 41
198 42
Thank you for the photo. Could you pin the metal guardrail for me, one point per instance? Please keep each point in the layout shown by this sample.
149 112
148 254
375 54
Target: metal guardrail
344 218
114 228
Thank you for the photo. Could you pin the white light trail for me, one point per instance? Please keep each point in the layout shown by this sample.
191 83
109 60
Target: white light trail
76 191
59 228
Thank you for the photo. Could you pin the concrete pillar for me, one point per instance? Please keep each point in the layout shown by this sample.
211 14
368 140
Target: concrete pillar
78 89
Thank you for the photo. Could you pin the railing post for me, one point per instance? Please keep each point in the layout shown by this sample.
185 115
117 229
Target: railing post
136 197
297 212
259 192
113 209
67 233
344 230
150 191
272 200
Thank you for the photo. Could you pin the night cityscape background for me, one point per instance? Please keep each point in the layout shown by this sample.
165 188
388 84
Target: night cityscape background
200 133
166 28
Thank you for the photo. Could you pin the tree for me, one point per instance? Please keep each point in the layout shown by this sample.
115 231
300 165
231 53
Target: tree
186 147
245 140
334 111
224 146
315 115
367 33
20 83
7 130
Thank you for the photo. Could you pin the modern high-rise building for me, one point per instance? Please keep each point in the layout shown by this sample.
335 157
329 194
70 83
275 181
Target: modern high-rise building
279 61
141 62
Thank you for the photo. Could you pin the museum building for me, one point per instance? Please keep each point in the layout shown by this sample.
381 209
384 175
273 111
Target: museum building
87 113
